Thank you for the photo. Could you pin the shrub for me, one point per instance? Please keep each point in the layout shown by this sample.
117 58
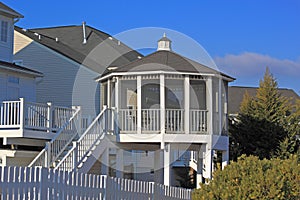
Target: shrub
251 178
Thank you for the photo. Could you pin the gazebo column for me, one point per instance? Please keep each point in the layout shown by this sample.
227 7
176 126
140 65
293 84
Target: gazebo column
162 109
139 104
108 93
208 153
220 106
186 104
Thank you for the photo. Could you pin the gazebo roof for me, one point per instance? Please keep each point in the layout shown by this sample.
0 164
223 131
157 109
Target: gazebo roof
168 61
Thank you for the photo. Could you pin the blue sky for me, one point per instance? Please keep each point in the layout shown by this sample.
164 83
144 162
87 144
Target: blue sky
243 37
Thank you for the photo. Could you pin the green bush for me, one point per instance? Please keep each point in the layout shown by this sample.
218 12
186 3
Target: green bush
251 178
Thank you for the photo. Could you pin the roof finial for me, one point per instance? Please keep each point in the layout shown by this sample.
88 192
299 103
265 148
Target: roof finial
164 35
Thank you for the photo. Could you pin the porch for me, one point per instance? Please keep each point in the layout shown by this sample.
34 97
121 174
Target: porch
20 119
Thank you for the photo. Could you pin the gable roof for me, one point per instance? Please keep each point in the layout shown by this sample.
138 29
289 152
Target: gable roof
20 69
9 12
166 61
236 95
68 41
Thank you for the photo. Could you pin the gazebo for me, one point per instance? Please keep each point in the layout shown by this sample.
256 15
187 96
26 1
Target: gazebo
167 103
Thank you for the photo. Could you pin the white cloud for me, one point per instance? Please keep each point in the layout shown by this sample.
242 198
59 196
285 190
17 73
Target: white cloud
248 64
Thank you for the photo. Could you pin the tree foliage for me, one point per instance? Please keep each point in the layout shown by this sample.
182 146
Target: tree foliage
252 178
262 122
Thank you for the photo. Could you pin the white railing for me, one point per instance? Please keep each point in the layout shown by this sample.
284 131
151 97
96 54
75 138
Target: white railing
198 121
10 114
37 116
128 119
150 119
81 149
33 116
58 144
41 183
174 120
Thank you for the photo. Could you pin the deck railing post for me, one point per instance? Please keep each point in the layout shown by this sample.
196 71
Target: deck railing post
49 117
75 155
48 155
22 113
78 121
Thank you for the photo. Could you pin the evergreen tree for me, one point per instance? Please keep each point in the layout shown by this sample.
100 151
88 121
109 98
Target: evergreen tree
291 144
261 124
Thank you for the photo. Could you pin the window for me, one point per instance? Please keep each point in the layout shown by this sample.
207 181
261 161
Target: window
4 31
13 79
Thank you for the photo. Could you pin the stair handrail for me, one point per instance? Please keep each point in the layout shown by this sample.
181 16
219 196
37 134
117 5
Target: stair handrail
46 157
76 158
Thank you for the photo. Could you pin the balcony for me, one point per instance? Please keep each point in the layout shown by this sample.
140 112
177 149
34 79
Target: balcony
31 120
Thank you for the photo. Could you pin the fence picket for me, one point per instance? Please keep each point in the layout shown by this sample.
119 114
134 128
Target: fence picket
42 183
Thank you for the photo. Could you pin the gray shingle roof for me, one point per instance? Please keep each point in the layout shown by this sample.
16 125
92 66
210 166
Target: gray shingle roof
236 95
20 69
7 11
166 61
68 41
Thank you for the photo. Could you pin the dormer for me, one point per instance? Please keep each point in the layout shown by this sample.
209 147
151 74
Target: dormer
8 17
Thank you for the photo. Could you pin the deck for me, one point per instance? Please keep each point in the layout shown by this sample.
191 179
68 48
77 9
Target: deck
31 120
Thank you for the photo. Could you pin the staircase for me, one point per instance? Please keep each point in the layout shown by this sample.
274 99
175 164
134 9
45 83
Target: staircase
84 152
54 149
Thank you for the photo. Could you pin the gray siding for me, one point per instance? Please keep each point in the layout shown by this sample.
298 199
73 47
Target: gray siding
65 82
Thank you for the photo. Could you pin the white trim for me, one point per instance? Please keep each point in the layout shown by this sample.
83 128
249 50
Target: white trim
160 72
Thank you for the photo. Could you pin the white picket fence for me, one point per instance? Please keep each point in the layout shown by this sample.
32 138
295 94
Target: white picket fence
41 183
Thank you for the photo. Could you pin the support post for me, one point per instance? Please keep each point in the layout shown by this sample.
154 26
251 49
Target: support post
119 163
105 162
139 104
158 166
22 114
225 159
49 117
186 104
47 155
167 163
75 155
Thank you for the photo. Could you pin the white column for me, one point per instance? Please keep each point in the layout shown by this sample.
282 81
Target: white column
139 104
209 104
207 162
162 109
220 106
119 163
158 166
105 162
167 163
225 158
186 104
108 94
117 94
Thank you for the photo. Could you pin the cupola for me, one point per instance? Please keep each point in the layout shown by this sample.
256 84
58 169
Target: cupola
164 44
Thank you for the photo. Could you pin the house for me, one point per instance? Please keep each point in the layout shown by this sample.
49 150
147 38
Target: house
70 57
236 95
158 110
15 82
